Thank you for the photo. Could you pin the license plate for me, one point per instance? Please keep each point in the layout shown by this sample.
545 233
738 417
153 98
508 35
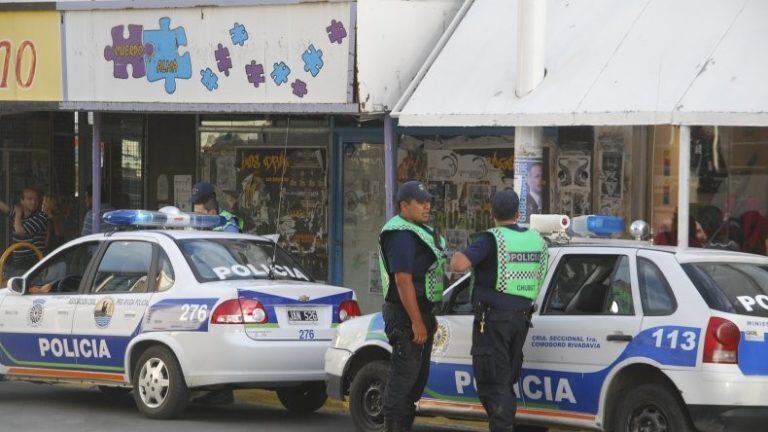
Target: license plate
302 316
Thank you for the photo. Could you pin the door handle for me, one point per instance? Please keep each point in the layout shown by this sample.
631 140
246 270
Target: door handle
130 314
63 312
619 338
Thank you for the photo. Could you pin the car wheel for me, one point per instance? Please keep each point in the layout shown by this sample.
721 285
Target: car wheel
114 392
651 408
366 397
159 388
304 399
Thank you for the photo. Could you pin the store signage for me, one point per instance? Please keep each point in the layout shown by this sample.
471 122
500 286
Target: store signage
30 56
296 53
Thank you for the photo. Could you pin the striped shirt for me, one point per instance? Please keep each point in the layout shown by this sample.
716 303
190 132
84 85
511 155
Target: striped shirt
35 232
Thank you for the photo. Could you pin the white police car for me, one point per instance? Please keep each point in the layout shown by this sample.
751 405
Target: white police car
627 337
170 311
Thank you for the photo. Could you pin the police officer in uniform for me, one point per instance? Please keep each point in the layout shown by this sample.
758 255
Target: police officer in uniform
509 263
204 202
412 264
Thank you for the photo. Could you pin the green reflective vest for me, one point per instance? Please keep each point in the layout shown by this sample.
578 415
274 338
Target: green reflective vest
522 262
230 219
433 279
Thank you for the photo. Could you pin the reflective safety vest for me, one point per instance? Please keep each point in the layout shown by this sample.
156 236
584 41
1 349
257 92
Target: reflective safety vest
230 220
433 279
522 259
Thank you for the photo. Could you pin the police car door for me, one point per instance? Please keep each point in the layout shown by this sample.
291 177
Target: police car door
111 308
589 315
450 388
34 328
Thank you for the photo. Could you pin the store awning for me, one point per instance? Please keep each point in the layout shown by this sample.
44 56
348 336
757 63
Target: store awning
632 62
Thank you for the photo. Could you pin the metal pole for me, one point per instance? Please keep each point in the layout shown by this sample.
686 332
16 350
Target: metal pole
96 173
531 38
389 164
683 188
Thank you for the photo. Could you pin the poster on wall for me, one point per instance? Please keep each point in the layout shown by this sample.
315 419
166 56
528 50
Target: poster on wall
574 183
182 192
225 175
611 151
461 182
301 219
528 175
374 274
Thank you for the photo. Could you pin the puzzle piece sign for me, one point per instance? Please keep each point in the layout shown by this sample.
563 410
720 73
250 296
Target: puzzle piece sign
165 62
313 60
128 51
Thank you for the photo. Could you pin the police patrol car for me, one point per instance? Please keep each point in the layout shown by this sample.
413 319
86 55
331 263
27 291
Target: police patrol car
170 311
626 337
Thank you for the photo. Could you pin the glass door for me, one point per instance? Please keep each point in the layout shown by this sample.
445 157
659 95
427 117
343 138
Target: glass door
364 214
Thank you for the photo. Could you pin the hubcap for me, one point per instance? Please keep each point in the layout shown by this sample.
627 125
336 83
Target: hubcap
372 403
648 418
153 383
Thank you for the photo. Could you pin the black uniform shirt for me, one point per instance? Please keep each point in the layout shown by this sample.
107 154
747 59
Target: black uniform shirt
482 254
404 252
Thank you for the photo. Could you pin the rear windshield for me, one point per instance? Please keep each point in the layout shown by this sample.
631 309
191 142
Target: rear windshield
239 259
732 287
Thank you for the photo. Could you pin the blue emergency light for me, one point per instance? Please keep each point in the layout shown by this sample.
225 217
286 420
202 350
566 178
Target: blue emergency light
162 219
597 225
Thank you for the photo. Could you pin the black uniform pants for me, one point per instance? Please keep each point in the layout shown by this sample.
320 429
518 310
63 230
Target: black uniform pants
409 364
497 358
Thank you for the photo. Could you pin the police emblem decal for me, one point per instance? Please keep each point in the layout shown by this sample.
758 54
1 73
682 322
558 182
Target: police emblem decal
442 337
35 315
303 298
103 312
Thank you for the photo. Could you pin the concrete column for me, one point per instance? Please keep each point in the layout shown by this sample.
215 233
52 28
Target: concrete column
683 186
390 161
96 172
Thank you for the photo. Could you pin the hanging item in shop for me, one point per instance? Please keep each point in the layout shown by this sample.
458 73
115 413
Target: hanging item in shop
707 162
303 223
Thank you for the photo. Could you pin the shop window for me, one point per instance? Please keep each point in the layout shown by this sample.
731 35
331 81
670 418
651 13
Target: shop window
275 178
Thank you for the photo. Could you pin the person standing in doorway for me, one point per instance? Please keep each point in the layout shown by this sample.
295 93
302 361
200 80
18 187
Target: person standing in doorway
412 266
27 224
509 263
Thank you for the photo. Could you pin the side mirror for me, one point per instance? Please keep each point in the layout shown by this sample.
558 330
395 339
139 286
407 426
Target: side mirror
17 285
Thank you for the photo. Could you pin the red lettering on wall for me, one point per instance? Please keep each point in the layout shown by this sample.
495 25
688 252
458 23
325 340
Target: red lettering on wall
6 63
32 66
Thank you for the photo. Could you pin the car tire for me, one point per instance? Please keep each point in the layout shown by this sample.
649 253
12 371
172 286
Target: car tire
651 408
114 392
366 397
158 383
304 399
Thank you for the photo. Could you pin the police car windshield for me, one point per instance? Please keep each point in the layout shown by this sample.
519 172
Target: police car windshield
237 259
739 288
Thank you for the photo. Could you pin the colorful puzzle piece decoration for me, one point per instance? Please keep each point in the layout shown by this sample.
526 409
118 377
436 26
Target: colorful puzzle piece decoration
280 72
313 60
127 51
164 61
223 61
239 34
336 32
255 73
209 79
299 88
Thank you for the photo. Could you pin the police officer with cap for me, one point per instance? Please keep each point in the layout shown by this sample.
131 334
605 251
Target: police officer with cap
412 265
204 202
509 263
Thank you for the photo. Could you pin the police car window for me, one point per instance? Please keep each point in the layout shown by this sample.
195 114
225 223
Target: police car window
655 291
590 284
63 272
740 288
165 274
460 301
237 259
124 268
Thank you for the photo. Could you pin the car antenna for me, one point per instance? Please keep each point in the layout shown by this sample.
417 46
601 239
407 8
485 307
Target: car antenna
284 162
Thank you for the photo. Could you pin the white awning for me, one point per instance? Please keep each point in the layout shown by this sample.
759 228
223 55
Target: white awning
629 62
